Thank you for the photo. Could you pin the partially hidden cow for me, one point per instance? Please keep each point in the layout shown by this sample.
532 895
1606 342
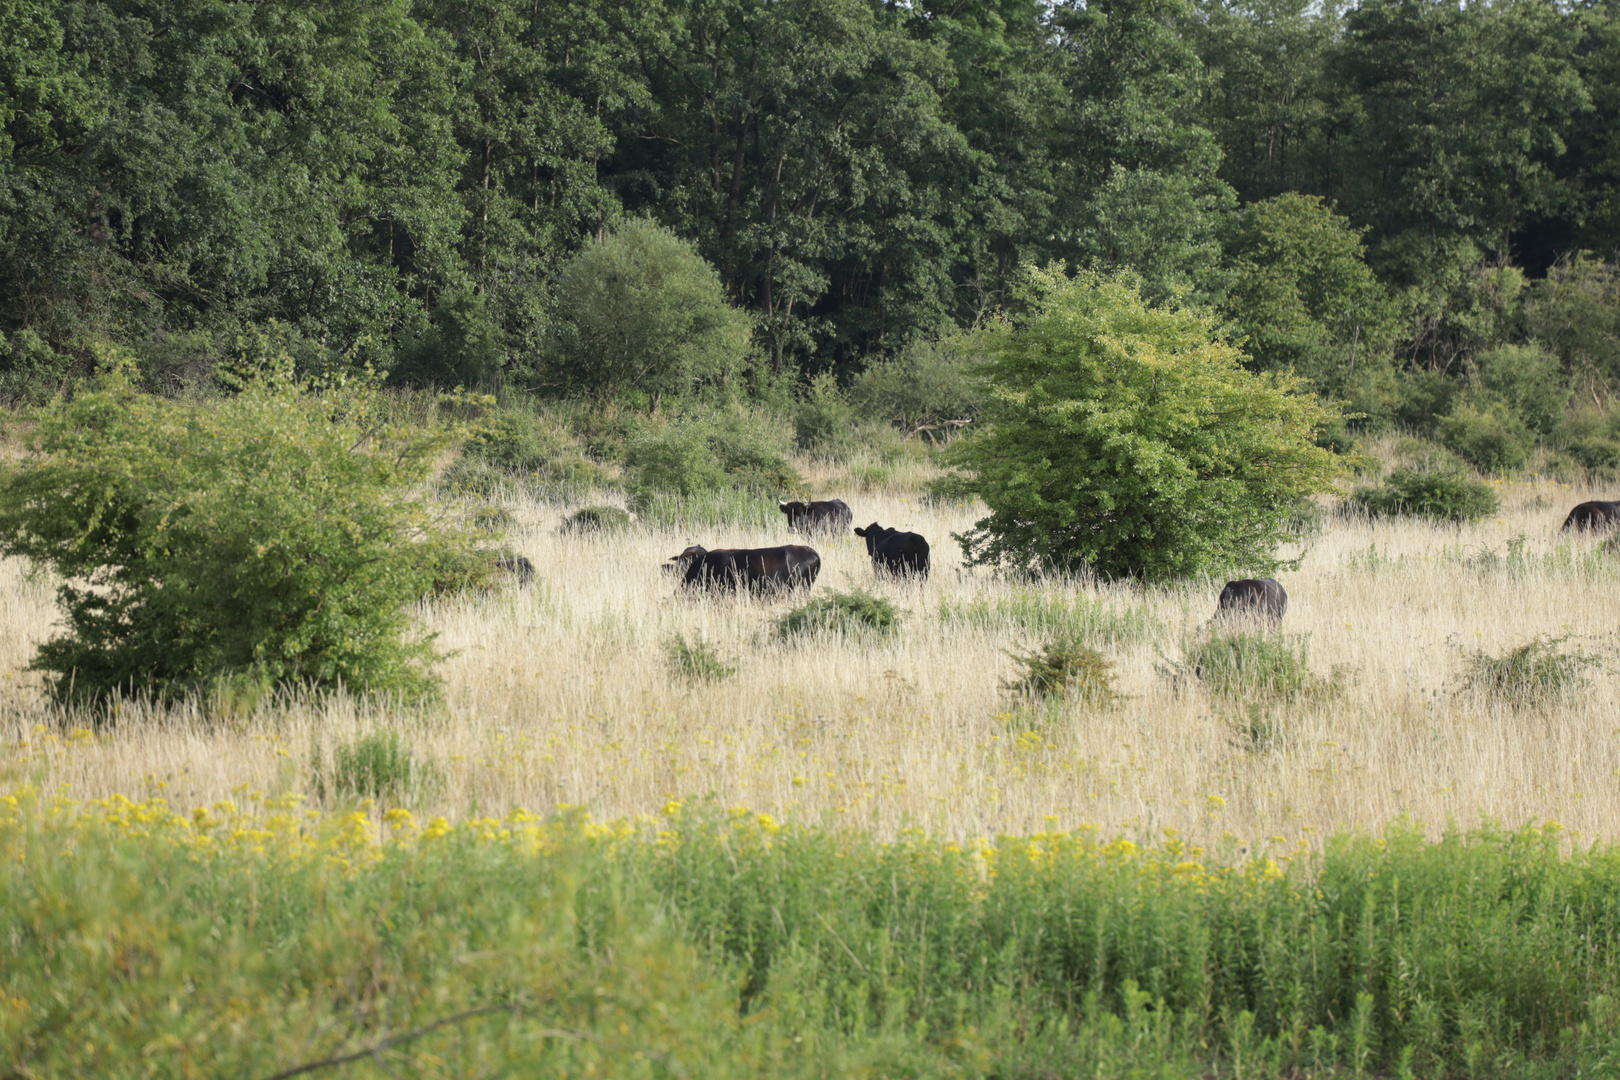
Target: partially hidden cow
1593 516
895 552
773 569
519 567
828 516
1263 598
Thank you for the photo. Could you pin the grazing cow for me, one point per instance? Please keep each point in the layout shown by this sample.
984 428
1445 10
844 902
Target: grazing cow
895 552
1593 516
523 568
1261 597
758 569
831 516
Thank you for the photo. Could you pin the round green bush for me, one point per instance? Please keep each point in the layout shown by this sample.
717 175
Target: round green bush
1486 433
854 612
1445 496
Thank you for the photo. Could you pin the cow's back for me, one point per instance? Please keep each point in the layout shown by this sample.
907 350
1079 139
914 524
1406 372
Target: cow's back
1264 597
1596 514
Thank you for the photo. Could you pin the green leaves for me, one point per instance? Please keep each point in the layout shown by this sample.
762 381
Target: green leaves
276 532
1129 440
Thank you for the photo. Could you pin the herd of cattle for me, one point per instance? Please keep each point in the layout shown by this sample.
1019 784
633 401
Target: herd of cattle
792 566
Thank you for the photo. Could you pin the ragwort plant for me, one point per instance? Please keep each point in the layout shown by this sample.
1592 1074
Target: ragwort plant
1237 664
696 661
1064 669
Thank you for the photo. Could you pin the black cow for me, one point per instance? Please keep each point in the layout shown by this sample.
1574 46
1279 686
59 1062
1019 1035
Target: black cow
895 552
1593 516
1262 597
758 569
831 516
521 567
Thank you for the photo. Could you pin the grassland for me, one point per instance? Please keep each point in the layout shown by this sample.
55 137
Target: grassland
561 694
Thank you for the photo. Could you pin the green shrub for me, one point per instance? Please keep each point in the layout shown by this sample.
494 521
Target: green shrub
853 612
596 519
462 346
924 389
642 317
1425 396
1538 672
824 422
724 468
276 531
1530 381
378 766
1237 664
696 661
1087 622
1443 496
1596 455
1486 433
1129 440
1064 669
514 451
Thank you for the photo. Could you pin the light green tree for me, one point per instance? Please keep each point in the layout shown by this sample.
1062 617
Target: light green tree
1130 440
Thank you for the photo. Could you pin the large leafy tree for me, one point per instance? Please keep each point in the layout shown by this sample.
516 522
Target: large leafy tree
1129 440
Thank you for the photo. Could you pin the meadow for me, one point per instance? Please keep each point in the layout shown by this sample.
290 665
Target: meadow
562 693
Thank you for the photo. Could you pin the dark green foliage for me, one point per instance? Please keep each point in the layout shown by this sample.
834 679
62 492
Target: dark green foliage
1575 310
1539 672
823 422
1128 440
597 519
461 347
641 314
1241 664
711 468
928 388
853 612
1484 431
1302 295
1445 496
277 532
1064 669
379 766
696 661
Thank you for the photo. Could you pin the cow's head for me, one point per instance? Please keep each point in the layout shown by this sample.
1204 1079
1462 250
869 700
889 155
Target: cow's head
795 511
680 562
873 533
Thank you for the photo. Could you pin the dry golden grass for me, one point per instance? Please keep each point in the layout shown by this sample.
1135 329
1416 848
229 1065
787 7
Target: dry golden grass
562 694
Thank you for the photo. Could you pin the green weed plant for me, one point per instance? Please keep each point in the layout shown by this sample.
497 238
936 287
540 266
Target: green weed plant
724 944
1539 672
856 612
696 661
1095 623
1064 670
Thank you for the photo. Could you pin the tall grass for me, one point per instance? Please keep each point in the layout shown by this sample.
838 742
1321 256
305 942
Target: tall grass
723 944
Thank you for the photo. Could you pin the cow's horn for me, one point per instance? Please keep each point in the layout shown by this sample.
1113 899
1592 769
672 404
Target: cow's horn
780 505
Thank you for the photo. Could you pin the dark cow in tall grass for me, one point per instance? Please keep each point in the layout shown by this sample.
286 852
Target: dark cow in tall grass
773 569
1259 598
519 567
828 516
895 552
1593 516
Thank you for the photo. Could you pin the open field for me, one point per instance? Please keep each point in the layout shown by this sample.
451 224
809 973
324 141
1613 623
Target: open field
561 694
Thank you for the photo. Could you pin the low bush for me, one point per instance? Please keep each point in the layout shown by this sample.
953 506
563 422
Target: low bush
924 390
824 422
279 532
596 519
1539 672
514 451
1440 495
1238 664
1530 381
377 766
696 661
1064 669
1485 432
695 456
853 612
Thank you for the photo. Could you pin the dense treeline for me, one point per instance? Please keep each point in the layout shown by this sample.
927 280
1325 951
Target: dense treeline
1355 190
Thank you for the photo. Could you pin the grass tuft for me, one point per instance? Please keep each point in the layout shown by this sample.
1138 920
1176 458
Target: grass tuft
853 612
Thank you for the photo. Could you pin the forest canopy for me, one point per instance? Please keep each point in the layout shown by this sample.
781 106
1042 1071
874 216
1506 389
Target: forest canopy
1374 195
